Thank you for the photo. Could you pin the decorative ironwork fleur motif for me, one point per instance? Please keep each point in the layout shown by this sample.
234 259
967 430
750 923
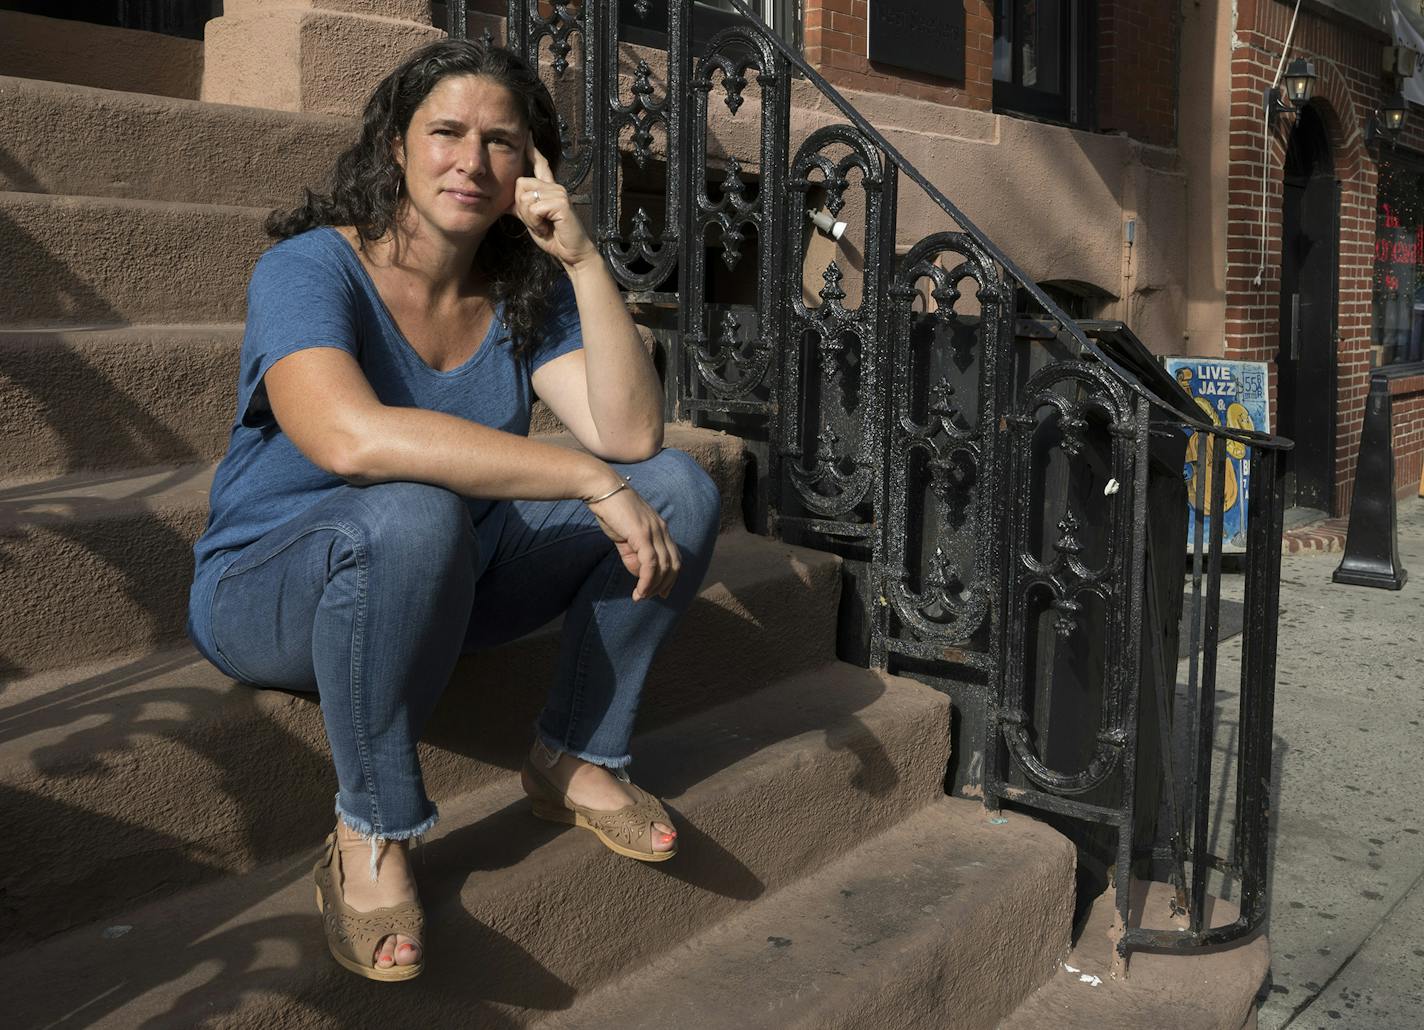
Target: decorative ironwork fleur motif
833 348
946 295
1066 624
642 242
1072 425
730 352
1068 542
730 348
641 6
727 342
734 190
826 489
734 82
561 25
941 399
642 237
832 293
942 578
648 113
946 481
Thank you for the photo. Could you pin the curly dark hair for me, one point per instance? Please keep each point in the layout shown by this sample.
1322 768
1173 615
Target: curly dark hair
365 185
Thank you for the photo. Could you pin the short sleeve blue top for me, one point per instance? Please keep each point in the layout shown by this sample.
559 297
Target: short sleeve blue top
312 291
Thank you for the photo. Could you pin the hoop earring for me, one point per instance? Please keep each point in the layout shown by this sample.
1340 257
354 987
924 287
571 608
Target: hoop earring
513 235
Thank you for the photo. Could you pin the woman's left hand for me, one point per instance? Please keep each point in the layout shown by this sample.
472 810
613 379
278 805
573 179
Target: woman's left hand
543 205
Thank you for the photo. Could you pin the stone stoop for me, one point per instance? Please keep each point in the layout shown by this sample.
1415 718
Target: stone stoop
943 921
161 806
1215 990
98 564
525 916
75 261
80 141
134 778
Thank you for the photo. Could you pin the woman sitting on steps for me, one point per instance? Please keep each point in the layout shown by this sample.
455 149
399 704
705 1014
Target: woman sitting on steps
381 508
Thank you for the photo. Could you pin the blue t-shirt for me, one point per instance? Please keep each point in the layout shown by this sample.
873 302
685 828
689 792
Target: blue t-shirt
312 291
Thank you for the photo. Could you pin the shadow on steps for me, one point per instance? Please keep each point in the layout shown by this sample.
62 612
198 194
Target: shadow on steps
232 953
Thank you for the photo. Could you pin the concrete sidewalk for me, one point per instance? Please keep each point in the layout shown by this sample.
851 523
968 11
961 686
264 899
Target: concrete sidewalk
1347 869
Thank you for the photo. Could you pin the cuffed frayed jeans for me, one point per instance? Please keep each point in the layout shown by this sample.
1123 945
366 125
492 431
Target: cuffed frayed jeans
371 595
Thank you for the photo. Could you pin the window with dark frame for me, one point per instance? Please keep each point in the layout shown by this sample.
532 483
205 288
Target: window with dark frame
1397 325
708 18
1042 62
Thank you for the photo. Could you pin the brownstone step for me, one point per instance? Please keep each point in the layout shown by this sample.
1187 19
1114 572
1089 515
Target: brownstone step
76 261
80 141
125 779
524 915
104 399
943 921
99 564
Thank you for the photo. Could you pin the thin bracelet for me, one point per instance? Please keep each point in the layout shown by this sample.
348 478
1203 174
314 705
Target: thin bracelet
621 486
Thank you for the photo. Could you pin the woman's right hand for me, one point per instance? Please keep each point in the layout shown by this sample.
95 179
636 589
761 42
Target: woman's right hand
643 542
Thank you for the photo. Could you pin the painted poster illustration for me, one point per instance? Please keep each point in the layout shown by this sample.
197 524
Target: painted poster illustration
1232 394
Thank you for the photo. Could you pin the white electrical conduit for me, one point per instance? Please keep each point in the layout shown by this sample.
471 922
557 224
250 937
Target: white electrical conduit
1266 143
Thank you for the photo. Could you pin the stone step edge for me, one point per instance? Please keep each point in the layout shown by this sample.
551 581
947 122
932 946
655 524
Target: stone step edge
1213 990
101 96
941 920
80 200
838 753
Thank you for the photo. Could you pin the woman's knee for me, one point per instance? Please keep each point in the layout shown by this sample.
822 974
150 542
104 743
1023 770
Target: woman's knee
413 523
682 492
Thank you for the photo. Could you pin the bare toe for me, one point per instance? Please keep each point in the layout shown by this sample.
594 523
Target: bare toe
385 954
407 951
664 837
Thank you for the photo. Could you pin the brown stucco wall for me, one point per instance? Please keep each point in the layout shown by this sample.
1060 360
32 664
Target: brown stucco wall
59 50
318 56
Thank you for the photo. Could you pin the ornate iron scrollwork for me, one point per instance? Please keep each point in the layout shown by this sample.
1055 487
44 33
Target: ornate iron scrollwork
527 27
957 461
1078 394
736 213
647 259
843 342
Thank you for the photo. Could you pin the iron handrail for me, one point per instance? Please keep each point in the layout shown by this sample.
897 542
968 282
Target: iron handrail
965 606
1080 338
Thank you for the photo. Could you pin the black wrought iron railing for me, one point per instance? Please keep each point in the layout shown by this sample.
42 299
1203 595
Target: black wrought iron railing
1008 495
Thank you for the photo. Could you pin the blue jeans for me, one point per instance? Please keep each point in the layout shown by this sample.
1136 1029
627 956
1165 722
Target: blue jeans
372 594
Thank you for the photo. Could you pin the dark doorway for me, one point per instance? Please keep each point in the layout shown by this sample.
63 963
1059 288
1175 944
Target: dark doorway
1310 276
171 17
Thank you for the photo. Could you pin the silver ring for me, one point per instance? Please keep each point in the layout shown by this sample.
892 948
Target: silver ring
535 195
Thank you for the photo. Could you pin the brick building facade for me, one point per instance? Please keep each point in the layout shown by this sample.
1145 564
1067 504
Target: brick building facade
1349 91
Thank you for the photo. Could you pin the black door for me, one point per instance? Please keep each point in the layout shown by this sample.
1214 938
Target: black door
1306 361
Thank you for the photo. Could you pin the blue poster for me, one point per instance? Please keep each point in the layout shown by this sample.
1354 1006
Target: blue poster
1232 394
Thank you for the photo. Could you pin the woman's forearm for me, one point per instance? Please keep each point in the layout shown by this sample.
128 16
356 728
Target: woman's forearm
470 459
624 395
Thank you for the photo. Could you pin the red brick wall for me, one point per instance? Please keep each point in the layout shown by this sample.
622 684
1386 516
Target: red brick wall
1137 69
1407 404
835 35
1348 88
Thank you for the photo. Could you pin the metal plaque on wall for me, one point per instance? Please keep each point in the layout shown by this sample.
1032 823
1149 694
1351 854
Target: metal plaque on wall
921 35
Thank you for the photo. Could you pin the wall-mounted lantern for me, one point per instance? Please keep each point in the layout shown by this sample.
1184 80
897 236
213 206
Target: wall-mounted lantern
1299 81
1388 121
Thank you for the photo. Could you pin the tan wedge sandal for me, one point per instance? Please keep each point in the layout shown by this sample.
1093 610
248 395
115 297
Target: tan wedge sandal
628 830
352 936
